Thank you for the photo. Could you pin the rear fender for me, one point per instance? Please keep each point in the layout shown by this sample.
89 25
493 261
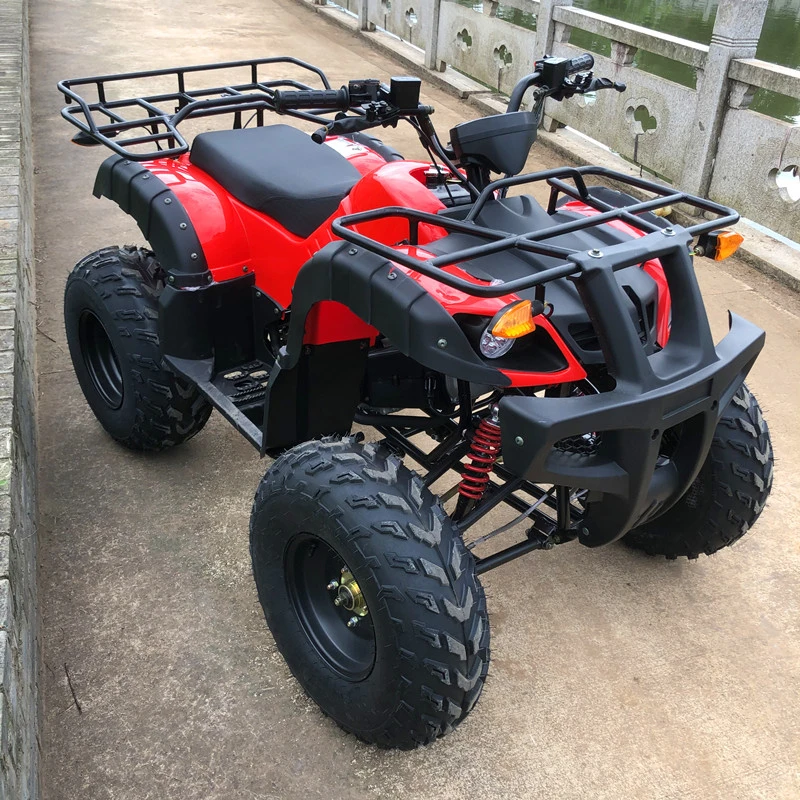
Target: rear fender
161 217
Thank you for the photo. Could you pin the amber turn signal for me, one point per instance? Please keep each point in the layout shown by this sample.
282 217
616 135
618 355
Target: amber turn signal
516 322
727 244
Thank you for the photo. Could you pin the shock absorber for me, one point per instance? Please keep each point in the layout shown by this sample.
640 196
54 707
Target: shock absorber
483 455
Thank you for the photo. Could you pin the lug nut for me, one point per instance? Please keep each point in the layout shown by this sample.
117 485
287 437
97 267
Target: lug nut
337 601
332 586
352 622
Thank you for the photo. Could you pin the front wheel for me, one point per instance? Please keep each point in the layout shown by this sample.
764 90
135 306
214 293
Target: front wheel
728 494
370 594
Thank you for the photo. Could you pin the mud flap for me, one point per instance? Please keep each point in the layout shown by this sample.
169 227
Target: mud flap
317 396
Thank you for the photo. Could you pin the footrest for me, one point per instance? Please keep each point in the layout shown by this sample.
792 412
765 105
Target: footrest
237 393
245 385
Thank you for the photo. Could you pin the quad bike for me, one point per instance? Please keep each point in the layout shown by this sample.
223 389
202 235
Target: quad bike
557 361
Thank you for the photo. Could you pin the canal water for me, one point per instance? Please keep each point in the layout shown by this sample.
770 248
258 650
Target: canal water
694 20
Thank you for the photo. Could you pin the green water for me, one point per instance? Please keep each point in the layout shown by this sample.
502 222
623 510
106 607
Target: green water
689 19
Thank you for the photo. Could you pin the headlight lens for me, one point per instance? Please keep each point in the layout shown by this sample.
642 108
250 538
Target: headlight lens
494 346
508 325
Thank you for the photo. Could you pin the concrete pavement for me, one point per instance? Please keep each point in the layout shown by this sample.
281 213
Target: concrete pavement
613 675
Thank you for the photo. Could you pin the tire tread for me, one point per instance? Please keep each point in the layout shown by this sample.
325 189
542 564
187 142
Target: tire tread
739 471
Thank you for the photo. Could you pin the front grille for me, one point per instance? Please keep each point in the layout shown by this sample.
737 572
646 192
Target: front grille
586 444
585 336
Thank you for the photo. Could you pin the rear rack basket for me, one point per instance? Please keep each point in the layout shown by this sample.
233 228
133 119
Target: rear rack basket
154 119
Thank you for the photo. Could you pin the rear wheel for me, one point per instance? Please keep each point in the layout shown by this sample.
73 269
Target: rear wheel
727 496
111 319
369 592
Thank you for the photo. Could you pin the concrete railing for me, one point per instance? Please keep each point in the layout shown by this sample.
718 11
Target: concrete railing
704 140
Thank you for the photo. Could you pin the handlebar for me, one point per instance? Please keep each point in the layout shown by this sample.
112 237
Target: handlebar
356 94
552 79
335 99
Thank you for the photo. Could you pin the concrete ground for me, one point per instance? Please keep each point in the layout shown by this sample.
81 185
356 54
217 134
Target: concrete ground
613 675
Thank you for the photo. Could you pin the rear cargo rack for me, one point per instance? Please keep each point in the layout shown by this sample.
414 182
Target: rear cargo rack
155 118
634 252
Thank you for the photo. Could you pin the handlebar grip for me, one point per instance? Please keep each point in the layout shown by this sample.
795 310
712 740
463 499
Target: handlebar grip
580 64
338 99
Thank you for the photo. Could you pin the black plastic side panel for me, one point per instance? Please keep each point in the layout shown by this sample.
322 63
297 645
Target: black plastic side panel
184 323
160 216
393 303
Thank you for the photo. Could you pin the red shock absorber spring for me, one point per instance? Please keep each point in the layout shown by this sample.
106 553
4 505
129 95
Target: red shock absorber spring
483 454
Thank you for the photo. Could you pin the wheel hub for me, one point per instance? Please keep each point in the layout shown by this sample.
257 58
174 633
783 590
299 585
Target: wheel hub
348 594
336 622
100 359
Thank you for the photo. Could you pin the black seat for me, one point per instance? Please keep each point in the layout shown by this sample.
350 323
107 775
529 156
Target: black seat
279 171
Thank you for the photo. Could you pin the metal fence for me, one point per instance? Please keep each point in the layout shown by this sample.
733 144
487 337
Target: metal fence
705 140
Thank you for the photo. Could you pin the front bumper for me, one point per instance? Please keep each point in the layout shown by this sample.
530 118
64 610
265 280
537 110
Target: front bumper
689 382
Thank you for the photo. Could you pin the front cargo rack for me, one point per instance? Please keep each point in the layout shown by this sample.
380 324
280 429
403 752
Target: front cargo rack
154 118
634 252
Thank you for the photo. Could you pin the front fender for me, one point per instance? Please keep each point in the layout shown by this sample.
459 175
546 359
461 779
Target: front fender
387 299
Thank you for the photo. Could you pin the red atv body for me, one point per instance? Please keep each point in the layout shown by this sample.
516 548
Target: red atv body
232 236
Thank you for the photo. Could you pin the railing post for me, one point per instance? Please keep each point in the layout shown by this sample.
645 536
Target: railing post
363 16
432 60
547 29
736 33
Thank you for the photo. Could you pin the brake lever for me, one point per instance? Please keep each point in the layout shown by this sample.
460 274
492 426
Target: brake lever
585 83
321 134
345 125
604 83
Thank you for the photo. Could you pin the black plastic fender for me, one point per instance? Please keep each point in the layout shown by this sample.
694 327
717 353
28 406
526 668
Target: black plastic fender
160 216
386 298
303 392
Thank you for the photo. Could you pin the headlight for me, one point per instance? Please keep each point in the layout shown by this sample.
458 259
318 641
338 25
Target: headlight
494 346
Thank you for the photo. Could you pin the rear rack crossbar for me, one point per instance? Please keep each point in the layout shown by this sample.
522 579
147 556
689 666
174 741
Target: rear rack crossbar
535 242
